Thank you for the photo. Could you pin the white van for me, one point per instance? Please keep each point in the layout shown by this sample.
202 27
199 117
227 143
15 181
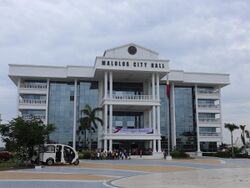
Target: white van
57 154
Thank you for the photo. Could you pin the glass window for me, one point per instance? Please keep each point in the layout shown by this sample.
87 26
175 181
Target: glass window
186 136
61 111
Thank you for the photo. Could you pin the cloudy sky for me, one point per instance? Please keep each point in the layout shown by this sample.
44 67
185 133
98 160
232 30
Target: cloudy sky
196 35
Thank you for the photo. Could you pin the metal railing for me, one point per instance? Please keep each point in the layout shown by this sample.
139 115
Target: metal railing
33 101
209 120
133 97
208 106
210 134
29 117
208 91
33 85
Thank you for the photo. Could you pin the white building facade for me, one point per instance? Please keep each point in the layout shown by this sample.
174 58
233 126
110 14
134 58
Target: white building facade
128 83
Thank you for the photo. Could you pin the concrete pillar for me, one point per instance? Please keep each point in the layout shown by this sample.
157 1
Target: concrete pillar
154 145
172 112
105 118
110 118
47 104
197 121
150 118
157 86
105 85
159 145
158 120
75 115
110 85
18 96
153 86
105 145
154 120
110 145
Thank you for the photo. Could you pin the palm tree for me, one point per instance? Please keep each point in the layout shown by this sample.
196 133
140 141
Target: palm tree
242 127
231 127
89 121
248 134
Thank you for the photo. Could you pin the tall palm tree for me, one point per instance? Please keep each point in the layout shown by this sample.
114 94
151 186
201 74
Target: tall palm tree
231 127
89 121
242 127
248 134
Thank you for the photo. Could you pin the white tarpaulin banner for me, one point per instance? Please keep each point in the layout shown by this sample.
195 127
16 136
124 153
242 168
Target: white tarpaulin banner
133 131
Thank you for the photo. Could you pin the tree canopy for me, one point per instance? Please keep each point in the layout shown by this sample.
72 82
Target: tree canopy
20 136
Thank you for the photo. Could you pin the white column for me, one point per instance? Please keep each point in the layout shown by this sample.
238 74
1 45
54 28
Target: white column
110 118
75 114
159 145
153 86
172 112
157 86
154 145
158 120
154 120
149 87
18 96
150 118
47 104
105 118
105 145
110 85
105 85
110 145
197 120
221 120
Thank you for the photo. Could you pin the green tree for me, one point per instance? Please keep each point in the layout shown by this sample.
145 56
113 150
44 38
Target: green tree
242 127
231 127
20 136
89 121
248 134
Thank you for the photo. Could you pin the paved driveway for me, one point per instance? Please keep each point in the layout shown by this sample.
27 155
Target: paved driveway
109 173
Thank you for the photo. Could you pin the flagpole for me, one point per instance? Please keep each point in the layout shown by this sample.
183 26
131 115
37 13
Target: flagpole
169 157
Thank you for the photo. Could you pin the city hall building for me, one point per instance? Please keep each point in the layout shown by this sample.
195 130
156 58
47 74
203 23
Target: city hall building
129 84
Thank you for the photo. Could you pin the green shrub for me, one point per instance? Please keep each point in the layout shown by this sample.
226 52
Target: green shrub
179 154
223 154
84 154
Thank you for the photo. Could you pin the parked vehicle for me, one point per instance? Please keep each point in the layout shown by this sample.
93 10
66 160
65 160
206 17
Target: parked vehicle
56 154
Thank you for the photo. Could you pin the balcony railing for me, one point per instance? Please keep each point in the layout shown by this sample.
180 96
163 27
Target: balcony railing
210 134
133 97
33 101
208 91
29 117
33 85
208 106
209 120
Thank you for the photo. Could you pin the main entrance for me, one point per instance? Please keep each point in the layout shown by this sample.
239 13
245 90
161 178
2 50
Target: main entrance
134 147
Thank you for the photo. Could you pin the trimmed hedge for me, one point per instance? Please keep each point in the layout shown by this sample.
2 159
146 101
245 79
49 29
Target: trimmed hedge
179 154
84 155
5 156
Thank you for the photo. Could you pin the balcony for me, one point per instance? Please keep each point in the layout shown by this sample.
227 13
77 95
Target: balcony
208 93
210 134
133 97
209 120
33 101
209 108
33 85
33 88
30 116
134 100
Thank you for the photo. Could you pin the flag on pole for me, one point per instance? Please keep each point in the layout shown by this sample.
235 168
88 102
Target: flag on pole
168 89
